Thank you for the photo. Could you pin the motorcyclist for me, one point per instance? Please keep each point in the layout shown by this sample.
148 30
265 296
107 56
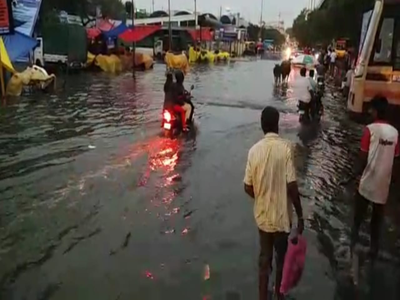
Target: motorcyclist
177 99
316 103
167 87
302 89
313 83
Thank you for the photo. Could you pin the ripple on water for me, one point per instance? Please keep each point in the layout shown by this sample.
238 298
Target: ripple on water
59 196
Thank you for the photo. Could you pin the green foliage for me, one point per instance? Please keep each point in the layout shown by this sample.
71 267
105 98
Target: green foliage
84 8
336 19
254 34
289 31
142 14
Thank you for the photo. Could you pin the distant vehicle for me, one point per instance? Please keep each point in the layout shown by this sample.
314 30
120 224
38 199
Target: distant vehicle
341 48
250 49
155 52
377 69
268 44
62 44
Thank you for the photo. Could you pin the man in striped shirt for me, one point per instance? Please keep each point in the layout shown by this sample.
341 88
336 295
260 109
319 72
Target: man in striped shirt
270 178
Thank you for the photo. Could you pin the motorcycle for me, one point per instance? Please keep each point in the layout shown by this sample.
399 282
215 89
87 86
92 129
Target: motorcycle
172 121
304 112
311 112
321 83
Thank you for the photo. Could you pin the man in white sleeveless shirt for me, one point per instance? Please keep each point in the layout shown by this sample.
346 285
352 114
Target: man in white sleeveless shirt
379 147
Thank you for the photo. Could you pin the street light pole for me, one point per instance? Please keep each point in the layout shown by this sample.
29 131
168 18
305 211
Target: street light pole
261 18
195 14
133 43
169 25
196 20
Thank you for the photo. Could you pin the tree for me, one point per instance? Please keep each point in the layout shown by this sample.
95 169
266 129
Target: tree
274 34
254 32
289 31
336 19
86 9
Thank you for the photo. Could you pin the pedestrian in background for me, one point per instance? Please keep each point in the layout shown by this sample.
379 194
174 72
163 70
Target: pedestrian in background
379 147
270 179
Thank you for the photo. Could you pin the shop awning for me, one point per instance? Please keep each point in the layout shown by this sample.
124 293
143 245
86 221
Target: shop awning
5 59
93 33
104 25
19 45
138 33
205 34
115 32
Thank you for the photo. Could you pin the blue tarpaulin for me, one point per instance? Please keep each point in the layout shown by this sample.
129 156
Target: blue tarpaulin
115 32
19 45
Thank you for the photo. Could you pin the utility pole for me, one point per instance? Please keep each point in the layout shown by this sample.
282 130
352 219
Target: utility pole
261 19
196 21
152 5
133 42
169 25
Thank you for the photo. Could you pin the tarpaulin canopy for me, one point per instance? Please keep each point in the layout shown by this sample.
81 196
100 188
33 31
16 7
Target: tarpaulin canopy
115 32
19 45
104 25
205 34
93 33
138 33
5 59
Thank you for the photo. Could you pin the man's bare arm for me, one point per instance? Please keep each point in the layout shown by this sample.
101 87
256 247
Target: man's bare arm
361 163
249 190
293 192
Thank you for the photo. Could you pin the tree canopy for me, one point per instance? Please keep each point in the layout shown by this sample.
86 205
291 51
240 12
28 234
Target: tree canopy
335 19
266 33
84 8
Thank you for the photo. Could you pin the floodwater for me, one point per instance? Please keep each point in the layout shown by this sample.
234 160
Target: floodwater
96 204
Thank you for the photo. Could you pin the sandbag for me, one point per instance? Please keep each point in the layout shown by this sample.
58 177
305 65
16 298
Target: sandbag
109 63
179 62
35 76
90 59
223 56
142 59
193 55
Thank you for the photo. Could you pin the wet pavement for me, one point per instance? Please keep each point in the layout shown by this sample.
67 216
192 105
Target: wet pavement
96 204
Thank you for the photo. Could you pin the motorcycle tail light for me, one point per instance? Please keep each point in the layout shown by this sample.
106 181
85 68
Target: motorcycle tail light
167 116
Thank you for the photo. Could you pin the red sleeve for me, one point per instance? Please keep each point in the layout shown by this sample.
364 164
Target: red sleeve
397 149
365 140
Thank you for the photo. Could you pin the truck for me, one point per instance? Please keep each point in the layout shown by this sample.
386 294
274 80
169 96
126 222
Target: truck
155 52
63 44
160 45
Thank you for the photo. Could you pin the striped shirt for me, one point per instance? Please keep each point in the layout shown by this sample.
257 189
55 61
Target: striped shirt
269 169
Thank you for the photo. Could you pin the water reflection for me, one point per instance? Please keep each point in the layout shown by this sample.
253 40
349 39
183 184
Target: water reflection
88 182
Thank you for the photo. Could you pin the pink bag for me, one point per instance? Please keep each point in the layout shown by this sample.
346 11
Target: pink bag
294 263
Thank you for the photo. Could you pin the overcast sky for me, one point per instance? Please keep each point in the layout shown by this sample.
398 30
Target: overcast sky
249 9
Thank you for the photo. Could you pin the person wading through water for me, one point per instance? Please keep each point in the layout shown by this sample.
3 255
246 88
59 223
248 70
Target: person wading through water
379 147
270 179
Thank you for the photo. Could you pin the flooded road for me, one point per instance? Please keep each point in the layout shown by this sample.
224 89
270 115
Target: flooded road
96 204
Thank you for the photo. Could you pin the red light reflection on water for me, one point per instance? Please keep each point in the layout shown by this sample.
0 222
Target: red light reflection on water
162 156
166 156
149 275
